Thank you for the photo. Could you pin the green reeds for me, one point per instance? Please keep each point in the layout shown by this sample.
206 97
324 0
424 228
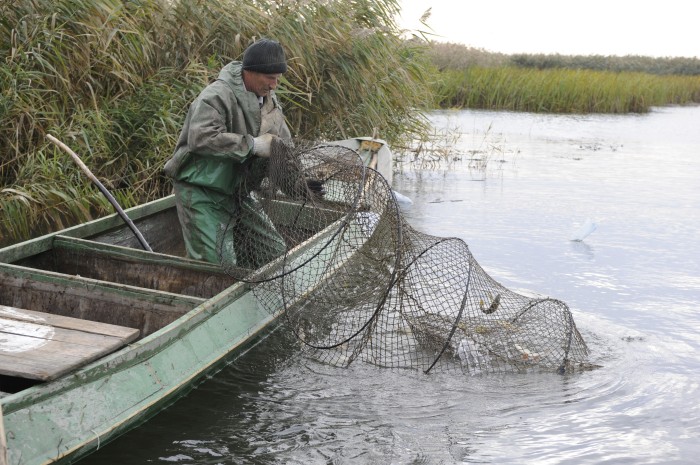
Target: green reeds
113 79
563 90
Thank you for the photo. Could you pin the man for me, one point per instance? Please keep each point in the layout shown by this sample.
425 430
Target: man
221 156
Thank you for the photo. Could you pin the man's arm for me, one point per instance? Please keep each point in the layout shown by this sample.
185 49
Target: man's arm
208 134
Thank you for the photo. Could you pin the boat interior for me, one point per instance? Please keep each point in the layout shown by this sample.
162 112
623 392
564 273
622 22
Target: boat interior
69 298
78 299
66 301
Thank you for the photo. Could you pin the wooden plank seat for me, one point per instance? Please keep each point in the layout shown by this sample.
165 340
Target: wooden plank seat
91 299
43 346
134 267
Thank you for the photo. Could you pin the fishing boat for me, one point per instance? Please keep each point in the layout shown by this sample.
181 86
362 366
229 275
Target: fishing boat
97 334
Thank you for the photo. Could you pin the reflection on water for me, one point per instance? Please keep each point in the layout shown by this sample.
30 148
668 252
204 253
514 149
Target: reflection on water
633 285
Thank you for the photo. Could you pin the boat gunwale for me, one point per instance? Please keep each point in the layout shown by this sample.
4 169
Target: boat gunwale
128 356
116 251
133 292
145 348
21 250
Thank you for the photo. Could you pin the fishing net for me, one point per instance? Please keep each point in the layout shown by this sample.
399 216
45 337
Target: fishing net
368 287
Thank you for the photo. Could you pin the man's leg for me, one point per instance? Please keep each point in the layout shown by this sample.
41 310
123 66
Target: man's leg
256 239
205 223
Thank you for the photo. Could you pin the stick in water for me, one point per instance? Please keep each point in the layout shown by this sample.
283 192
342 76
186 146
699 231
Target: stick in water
103 189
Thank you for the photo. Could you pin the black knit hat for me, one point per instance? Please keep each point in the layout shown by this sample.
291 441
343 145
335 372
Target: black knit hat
265 56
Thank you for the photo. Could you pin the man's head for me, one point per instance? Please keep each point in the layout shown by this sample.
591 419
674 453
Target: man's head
265 56
263 64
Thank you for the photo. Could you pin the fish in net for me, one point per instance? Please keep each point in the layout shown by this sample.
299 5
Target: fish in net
371 288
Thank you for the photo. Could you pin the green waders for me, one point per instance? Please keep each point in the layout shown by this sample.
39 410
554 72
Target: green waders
224 229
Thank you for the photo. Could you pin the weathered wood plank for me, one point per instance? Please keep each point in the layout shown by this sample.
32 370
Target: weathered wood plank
126 253
152 229
32 348
49 362
65 350
29 367
58 321
149 270
90 299
287 213
31 247
73 333
62 347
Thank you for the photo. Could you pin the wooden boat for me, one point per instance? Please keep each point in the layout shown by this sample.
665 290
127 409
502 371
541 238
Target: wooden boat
374 153
97 334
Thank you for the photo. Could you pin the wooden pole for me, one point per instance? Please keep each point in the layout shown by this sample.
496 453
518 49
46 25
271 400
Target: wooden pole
103 189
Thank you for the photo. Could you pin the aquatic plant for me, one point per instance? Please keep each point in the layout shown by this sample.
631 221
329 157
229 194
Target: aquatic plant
114 79
563 90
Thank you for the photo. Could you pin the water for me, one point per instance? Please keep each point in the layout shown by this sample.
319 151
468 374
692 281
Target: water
633 286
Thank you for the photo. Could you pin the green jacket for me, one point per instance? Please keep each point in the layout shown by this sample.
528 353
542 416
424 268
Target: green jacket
214 148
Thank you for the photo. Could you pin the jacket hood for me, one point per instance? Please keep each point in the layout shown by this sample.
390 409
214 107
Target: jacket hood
232 75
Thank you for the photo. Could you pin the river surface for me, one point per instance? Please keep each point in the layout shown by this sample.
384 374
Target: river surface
521 186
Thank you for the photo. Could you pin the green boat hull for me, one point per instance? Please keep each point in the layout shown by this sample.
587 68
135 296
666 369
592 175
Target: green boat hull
61 420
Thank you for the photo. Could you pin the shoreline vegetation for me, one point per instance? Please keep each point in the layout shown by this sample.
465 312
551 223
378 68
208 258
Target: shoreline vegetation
472 78
113 79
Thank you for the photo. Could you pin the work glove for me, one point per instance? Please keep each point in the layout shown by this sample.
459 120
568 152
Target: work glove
262 145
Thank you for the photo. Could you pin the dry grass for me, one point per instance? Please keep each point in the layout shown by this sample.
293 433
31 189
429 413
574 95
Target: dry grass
113 79
563 90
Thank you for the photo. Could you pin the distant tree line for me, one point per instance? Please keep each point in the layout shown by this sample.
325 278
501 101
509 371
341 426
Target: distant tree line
466 77
631 63
457 56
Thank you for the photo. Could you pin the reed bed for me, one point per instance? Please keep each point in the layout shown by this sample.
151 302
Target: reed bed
113 79
563 90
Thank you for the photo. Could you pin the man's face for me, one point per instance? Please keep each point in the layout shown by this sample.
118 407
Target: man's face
260 83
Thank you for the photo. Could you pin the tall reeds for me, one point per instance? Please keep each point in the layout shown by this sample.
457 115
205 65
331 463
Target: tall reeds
114 78
563 90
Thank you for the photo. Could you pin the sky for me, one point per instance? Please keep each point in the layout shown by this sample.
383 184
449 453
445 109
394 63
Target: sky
668 28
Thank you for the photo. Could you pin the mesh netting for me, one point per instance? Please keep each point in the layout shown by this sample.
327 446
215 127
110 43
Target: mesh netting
369 287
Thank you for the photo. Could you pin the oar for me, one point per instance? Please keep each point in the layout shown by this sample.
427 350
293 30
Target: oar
104 190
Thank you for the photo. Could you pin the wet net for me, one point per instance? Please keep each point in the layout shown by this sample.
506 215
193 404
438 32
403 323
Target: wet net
357 283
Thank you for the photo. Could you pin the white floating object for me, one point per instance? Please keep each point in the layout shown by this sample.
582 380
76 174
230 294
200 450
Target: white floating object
367 221
526 354
471 354
583 232
402 199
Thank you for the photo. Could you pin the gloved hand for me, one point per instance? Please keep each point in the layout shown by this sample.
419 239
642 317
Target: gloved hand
262 145
316 187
